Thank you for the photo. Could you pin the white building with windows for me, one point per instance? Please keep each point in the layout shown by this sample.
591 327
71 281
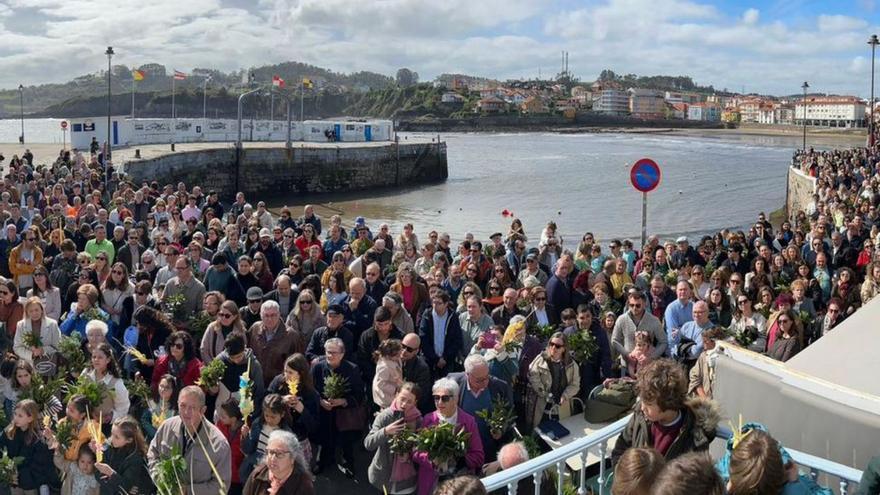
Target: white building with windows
830 111
612 102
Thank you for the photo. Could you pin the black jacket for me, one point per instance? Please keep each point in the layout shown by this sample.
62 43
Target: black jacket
452 340
37 468
131 474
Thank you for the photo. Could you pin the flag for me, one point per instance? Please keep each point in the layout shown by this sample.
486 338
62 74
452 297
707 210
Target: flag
138 75
277 81
307 83
179 75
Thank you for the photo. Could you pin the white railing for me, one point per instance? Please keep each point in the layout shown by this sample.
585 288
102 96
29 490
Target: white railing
597 442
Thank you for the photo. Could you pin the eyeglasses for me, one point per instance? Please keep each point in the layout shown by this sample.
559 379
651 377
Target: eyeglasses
742 301
540 299
305 302
346 250
830 310
635 305
408 348
224 315
557 346
277 453
784 320
116 272
735 281
30 239
288 236
177 345
468 293
472 270
530 261
4 293
442 398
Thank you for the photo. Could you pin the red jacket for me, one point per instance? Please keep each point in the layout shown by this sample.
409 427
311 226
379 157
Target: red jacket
235 447
190 374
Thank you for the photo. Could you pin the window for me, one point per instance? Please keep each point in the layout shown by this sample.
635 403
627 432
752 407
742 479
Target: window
349 127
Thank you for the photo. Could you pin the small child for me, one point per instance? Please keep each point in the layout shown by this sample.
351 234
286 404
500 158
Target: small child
389 374
160 408
276 416
757 467
79 475
230 423
641 355
689 474
636 471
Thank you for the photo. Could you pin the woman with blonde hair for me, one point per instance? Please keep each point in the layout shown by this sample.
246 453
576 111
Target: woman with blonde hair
37 324
554 380
114 290
306 316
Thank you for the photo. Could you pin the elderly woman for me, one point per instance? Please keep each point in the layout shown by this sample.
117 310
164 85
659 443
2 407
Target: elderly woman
45 329
395 473
85 309
554 379
446 396
284 472
332 432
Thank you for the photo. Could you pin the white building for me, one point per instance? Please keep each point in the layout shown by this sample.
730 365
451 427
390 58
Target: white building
612 102
707 112
831 111
646 103
451 97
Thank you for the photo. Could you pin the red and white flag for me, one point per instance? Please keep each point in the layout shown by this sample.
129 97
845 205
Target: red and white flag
277 81
179 75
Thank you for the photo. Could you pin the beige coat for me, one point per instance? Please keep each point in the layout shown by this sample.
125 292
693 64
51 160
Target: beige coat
540 382
49 334
201 476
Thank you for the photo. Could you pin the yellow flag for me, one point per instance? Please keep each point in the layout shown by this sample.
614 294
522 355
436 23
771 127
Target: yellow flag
307 82
138 75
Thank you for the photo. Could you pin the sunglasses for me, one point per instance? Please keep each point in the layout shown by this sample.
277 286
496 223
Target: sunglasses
177 345
224 315
557 346
742 301
305 302
540 299
442 398
408 348
116 272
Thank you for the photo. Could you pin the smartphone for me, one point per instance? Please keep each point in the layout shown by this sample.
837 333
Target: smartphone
489 340
397 416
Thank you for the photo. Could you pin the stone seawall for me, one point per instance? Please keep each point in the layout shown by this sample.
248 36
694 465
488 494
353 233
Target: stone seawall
274 170
799 191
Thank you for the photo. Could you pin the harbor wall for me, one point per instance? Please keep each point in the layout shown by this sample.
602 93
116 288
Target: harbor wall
302 169
799 192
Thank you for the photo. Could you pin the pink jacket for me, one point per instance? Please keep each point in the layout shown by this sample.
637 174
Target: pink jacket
474 456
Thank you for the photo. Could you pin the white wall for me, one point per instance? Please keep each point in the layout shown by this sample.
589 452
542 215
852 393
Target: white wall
158 131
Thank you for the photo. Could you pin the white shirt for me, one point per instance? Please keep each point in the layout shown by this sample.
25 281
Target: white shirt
439 332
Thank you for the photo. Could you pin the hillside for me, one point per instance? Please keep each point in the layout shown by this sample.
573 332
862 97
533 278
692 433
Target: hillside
47 99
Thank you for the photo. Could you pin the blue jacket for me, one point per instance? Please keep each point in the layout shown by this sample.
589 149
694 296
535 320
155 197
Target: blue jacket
77 323
559 295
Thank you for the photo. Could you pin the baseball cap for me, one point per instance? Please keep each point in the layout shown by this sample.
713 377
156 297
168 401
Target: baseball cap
335 309
681 239
264 232
360 221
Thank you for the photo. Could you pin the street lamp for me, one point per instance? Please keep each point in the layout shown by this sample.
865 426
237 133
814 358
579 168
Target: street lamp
109 54
21 110
873 41
805 86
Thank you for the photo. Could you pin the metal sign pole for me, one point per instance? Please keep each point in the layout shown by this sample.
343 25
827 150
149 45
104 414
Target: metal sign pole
644 219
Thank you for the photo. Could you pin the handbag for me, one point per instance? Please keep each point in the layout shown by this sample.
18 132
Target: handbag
351 418
611 403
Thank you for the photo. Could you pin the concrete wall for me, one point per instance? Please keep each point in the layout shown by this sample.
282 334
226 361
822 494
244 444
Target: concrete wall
275 171
800 191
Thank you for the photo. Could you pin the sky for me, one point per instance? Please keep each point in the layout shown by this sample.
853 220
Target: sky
767 47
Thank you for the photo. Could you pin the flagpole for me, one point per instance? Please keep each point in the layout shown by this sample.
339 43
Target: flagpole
173 79
302 92
272 106
205 100
133 81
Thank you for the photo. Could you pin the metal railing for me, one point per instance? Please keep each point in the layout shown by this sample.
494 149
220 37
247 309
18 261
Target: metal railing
597 442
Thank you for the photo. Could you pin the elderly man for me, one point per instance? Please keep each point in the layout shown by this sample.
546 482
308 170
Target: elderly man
200 442
185 284
331 436
687 343
479 392
359 307
474 322
623 338
559 288
272 342
399 315
508 309
416 370
376 287
511 454
284 295
679 311
336 328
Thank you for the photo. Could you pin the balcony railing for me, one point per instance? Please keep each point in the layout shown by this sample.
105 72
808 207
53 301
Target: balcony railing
597 443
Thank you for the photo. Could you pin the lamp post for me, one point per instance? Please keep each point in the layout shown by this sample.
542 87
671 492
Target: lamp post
805 86
109 54
205 100
21 111
873 41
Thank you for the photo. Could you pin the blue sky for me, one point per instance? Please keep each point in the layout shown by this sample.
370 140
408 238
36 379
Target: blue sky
769 46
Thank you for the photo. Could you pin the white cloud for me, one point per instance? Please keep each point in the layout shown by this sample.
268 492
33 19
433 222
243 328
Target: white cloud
495 38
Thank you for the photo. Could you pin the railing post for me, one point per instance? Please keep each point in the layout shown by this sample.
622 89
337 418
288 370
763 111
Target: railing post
602 449
511 488
560 478
538 477
844 486
582 486
814 475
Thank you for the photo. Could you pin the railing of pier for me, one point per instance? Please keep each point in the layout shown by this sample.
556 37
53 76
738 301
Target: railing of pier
821 470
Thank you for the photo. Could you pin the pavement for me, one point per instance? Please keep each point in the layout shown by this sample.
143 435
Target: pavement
332 481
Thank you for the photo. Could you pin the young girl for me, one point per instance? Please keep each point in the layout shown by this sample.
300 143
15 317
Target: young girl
304 405
161 407
641 355
22 439
77 409
276 416
20 382
230 422
124 469
389 374
79 475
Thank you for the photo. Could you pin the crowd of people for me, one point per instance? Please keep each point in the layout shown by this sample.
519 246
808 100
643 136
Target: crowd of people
261 351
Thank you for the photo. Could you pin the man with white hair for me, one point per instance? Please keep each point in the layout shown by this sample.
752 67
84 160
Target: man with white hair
687 343
510 455
359 307
479 392
272 342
